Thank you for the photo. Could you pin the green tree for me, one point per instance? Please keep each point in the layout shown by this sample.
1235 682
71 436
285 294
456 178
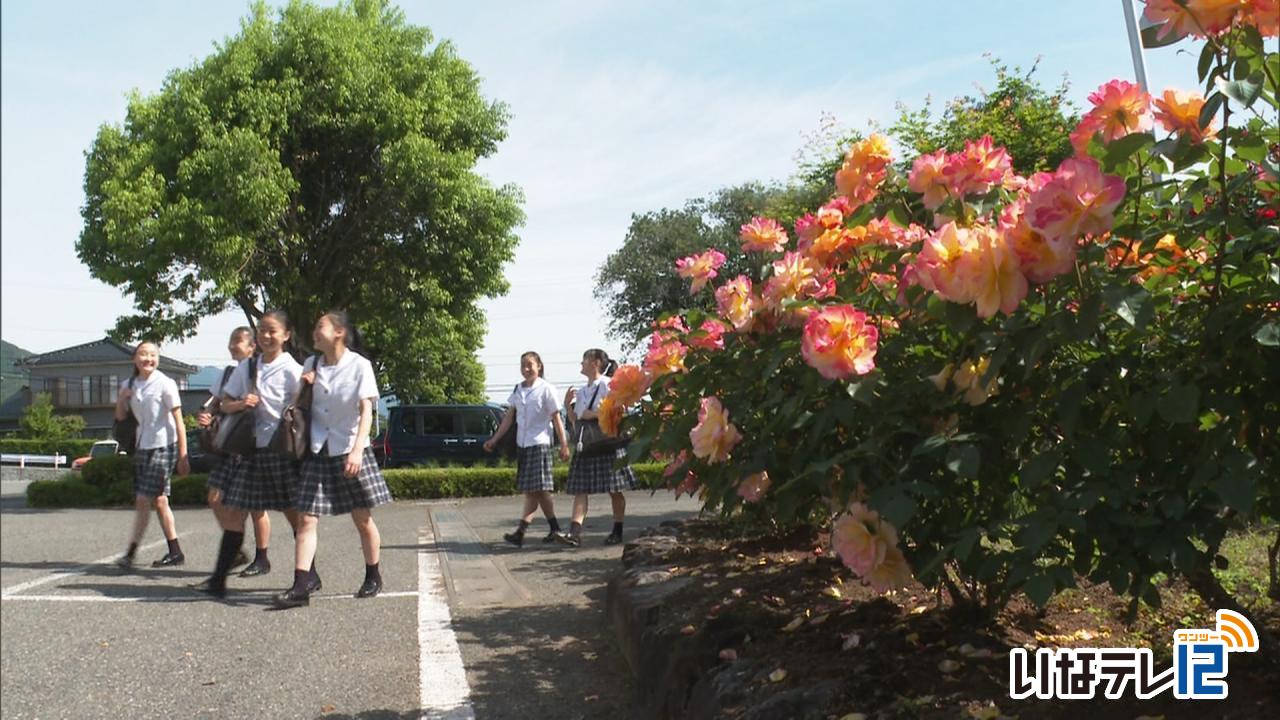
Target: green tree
38 421
322 159
637 283
1033 124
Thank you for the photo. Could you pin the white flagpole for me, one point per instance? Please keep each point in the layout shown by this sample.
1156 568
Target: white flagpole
1135 44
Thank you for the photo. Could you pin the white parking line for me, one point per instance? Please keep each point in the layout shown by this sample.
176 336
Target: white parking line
192 597
442 677
12 590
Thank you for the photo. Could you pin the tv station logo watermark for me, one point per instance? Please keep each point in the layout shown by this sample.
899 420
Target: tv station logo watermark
1199 670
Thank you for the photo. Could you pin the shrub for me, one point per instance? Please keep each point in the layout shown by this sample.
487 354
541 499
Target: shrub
72 448
66 492
435 483
104 472
190 490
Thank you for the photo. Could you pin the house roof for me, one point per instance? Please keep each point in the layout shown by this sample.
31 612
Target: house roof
105 350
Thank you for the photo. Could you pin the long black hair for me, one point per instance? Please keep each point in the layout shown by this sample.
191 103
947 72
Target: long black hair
607 367
282 317
341 319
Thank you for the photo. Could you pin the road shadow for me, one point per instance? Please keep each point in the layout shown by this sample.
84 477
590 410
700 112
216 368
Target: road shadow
539 662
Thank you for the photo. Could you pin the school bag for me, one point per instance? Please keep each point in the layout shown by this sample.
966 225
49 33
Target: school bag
293 436
592 440
125 431
234 433
208 433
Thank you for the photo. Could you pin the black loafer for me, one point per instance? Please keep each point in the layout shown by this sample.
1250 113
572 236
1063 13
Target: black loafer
569 539
256 569
170 560
125 562
613 539
369 589
554 536
516 539
241 559
290 599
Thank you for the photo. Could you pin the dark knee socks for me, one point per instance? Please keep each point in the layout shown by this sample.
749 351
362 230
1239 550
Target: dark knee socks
174 547
260 556
575 528
133 550
617 528
231 542
554 523
371 573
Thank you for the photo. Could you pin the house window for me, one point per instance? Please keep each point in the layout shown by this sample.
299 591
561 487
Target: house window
86 384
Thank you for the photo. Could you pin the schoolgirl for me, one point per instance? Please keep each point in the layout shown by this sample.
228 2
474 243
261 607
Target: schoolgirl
267 480
592 474
533 407
241 345
340 475
153 398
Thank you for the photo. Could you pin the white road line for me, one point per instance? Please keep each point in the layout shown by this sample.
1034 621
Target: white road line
442 677
78 570
192 597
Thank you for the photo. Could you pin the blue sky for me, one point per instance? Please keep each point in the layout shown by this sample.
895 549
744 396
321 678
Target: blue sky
617 108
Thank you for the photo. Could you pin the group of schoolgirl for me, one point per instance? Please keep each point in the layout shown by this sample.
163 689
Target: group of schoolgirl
338 475
534 408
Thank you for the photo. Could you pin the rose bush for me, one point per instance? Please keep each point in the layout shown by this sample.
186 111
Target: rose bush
995 382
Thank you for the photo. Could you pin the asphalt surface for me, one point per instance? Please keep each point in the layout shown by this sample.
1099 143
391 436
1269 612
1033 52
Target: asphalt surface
80 638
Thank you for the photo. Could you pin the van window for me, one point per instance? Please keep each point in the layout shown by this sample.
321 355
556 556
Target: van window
437 422
409 422
478 423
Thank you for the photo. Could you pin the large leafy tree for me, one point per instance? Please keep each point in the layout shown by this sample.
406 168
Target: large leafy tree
322 158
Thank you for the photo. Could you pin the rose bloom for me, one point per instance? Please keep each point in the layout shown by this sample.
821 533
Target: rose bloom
928 179
1179 112
1124 108
1078 201
763 235
1040 258
938 264
681 459
883 231
736 303
838 342
710 336
688 486
753 487
610 411
794 276
993 274
699 268
976 169
834 246
714 437
968 381
892 572
864 169
853 537
629 384
1197 18
1088 127
664 356
1262 14
672 326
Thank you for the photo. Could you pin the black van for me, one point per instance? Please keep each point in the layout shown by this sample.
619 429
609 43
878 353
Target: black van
440 434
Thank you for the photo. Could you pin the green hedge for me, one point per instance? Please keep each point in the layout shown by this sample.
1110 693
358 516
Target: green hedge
74 448
436 483
72 491
111 484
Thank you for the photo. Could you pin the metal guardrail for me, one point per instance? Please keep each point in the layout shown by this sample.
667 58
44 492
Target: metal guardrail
23 460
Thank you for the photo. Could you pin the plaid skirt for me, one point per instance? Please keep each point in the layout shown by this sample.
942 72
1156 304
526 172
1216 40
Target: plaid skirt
225 472
592 475
267 481
533 469
326 491
152 470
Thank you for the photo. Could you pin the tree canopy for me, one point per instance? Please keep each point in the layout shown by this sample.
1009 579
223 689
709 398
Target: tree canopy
324 158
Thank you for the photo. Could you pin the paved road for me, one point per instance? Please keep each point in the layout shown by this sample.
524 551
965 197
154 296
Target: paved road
82 639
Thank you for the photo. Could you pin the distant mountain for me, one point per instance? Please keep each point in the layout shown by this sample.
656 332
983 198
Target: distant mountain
205 377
